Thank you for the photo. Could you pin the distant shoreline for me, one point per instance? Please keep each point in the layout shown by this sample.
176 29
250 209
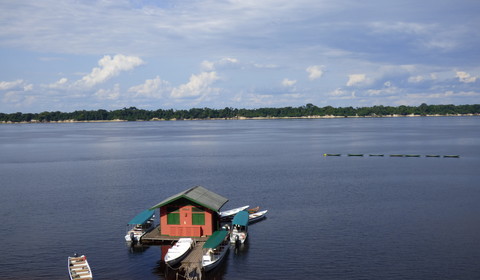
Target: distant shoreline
243 118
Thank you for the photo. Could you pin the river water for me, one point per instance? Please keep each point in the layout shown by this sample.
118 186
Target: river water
72 187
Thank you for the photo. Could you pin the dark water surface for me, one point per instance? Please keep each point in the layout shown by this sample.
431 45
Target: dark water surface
69 188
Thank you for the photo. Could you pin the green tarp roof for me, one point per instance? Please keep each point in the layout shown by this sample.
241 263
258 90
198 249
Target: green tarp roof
215 239
142 217
199 195
241 218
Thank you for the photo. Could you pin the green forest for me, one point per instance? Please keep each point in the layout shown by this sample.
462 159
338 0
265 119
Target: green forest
134 114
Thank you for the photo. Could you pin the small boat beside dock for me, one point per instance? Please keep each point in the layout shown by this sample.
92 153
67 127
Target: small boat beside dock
78 268
179 251
231 212
215 249
239 230
255 217
139 225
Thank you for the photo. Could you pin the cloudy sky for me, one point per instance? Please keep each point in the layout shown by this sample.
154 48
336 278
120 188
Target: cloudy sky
73 55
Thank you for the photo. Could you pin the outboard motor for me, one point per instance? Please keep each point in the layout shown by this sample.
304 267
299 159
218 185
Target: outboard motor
237 241
132 237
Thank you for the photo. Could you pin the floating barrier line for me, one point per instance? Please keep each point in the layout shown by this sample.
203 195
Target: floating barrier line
393 155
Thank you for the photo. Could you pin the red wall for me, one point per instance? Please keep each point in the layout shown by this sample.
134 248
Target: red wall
185 228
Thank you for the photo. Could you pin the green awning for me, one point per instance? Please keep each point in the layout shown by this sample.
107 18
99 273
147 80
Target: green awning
142 217
216 238
241 218
198 195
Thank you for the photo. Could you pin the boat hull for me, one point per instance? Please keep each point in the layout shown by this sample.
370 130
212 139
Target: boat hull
78 268
178 251
210 262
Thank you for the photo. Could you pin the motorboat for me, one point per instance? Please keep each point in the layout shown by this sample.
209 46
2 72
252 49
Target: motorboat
139 225
178 251
215 249
239 231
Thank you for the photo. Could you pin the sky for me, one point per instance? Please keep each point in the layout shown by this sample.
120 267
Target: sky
162 54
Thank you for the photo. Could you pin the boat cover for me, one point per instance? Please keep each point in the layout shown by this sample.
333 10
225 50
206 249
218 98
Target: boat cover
215 239
241 218
142 217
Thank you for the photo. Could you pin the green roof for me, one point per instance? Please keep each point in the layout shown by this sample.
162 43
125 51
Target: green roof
142 217
198 195
215 239
241 218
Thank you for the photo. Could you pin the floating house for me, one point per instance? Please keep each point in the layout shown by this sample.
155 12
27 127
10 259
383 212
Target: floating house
191 213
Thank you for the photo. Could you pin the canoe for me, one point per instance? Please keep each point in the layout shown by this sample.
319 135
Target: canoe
231 212
253 210
178 251
257 216
78 268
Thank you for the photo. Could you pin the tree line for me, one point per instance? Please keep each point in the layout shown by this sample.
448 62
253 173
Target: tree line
134 114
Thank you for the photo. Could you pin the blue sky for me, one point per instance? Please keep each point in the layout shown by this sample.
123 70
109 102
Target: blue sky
75 55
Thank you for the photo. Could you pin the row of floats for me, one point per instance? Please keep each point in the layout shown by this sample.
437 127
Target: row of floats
392 155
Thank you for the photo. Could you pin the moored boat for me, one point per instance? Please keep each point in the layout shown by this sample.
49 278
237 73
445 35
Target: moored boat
178 251
78 268
255 217
215 249
231 212
139 225
239 231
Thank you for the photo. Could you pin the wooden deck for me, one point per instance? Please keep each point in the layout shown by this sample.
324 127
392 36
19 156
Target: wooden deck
192 264
154 237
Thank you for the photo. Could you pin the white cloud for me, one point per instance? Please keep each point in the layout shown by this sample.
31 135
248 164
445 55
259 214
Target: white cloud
465 77
315 71
109 67
198 85
59 84
17 84
155 88
356 79
416 79
224 62
109 94
288 83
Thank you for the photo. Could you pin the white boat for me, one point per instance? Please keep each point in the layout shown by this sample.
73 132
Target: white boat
255 217
231 212
215 249
78 268
239 231
139 225
178 251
